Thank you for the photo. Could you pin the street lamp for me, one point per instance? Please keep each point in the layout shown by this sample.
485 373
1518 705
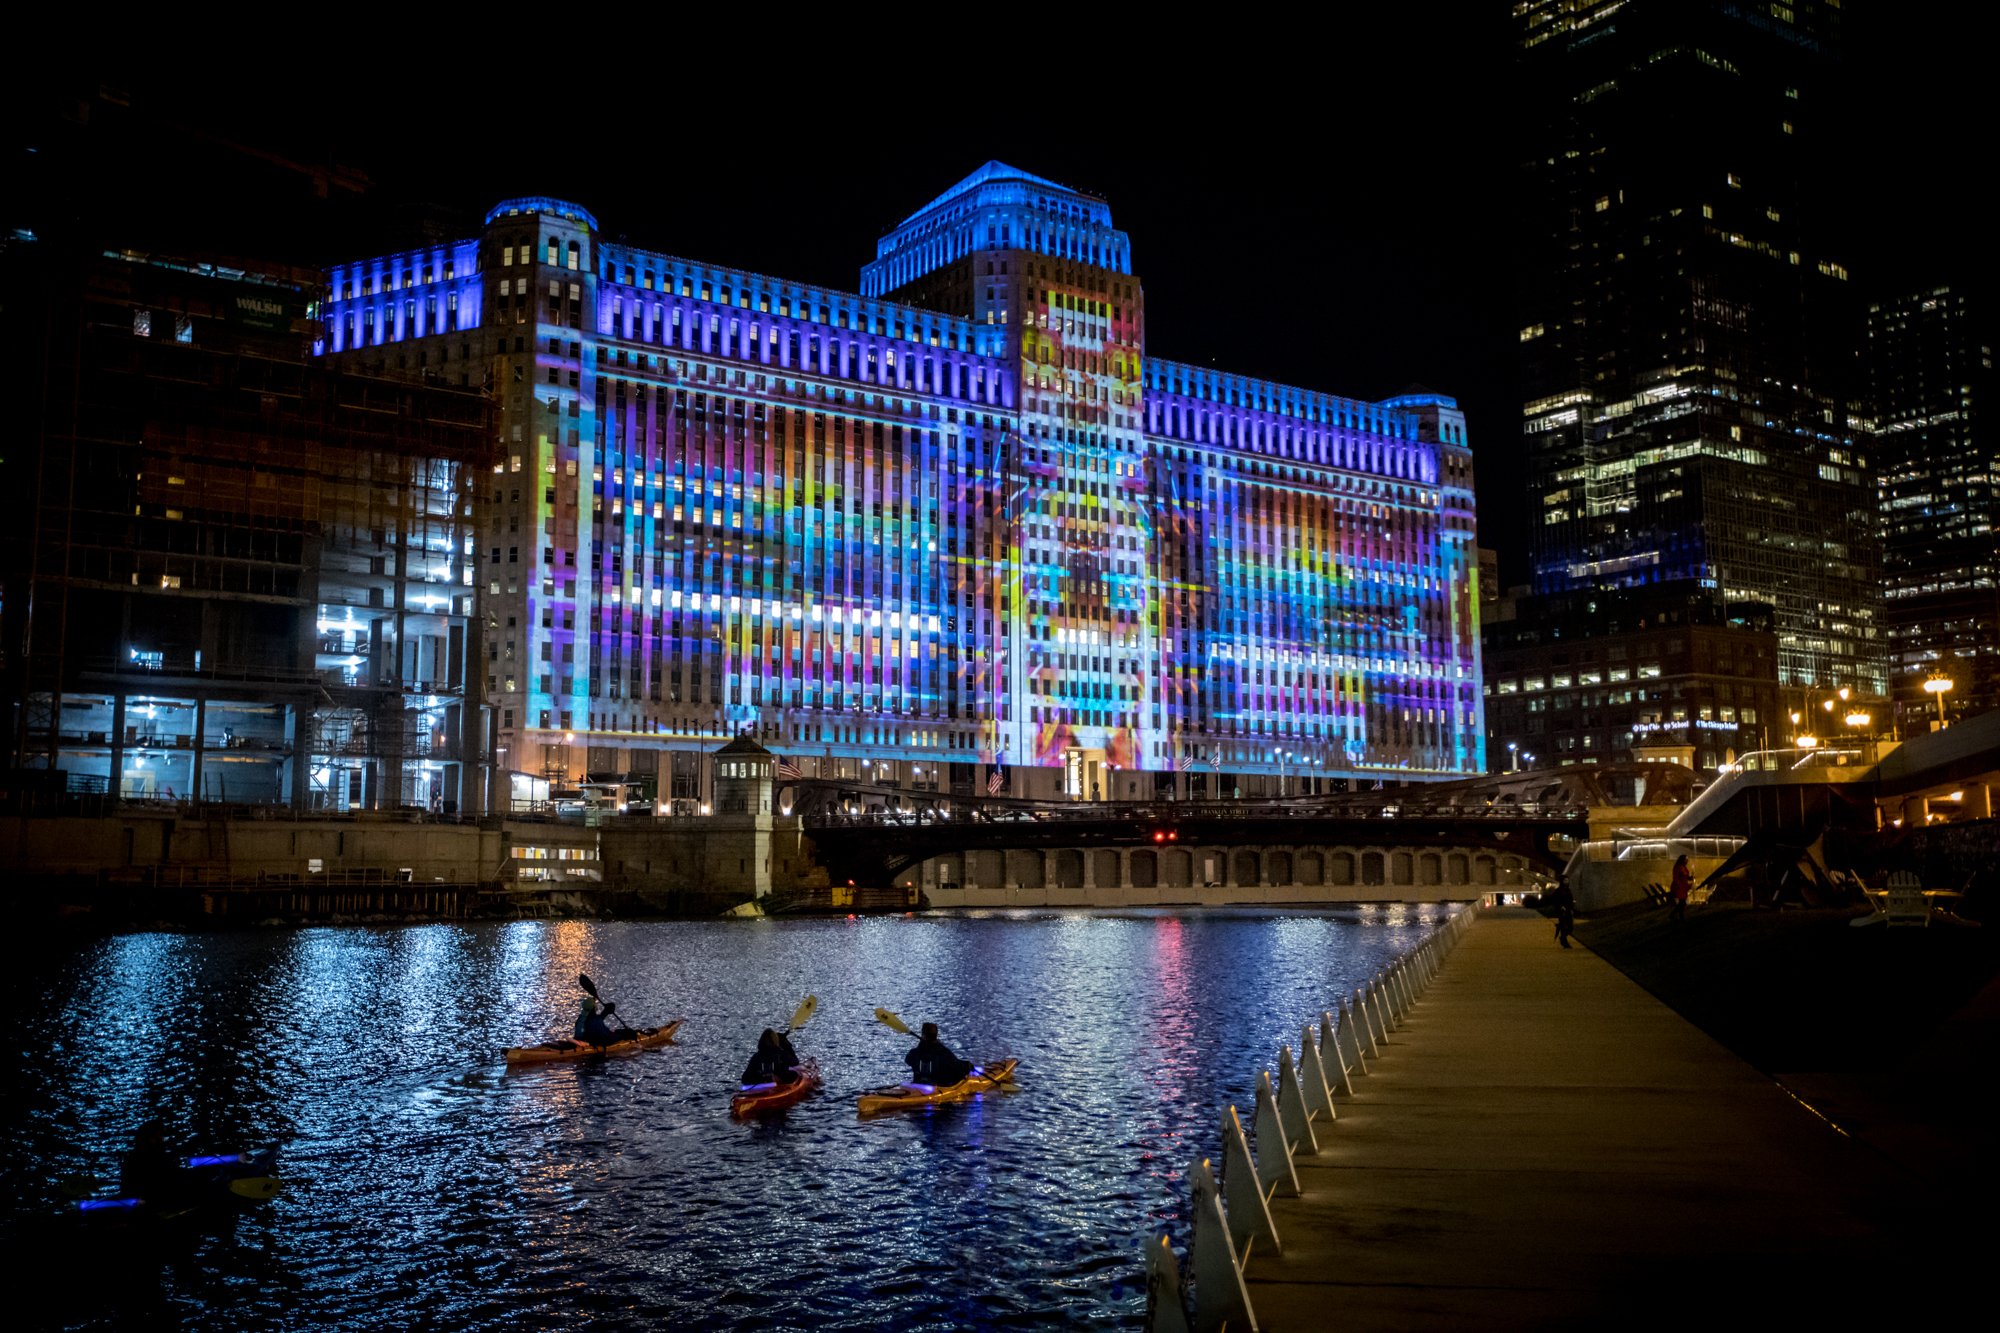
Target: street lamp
1513 757
1937 687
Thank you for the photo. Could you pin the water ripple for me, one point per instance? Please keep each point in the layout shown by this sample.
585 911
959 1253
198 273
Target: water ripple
432 1188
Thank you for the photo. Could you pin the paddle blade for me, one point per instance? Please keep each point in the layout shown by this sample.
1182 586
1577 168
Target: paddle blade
589 986
890 1021
257 1188
807 1008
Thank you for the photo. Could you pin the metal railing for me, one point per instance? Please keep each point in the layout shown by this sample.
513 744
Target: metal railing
1232 1215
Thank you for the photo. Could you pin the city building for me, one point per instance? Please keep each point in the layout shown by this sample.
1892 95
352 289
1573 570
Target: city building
1930 371
1689 341
233 576
1614 678
955 530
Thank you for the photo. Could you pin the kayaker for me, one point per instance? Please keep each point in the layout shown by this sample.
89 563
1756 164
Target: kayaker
774 1062
149 1171
591 1024
932 1062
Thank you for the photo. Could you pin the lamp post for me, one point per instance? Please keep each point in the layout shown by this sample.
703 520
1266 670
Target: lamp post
1513 757
1937 687
1828 704
1281 756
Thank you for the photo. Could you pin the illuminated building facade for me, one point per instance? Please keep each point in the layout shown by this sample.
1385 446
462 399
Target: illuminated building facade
1689 339
1931 370
957 523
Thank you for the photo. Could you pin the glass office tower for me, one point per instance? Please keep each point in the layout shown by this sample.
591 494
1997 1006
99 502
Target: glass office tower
1689 339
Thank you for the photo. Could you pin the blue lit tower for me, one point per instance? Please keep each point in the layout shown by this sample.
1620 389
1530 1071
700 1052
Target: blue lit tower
1042 264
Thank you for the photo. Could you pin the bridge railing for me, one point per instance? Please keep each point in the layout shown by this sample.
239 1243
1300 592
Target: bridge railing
964 810
1232 1213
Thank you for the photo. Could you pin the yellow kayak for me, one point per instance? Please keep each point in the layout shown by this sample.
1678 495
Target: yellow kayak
904 1096
645 1039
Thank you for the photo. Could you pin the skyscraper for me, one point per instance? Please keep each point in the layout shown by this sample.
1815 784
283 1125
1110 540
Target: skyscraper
1930 370
958 520
1689 338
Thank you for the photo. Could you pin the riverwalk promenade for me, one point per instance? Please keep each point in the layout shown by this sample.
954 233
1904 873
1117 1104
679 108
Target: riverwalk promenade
1543 1143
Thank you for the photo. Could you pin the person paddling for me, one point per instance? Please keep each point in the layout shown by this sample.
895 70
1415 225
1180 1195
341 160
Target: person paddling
149 1171
593 1017
932 1062
774 1062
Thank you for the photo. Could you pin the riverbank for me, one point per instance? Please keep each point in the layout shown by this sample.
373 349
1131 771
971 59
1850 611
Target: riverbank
1887 1033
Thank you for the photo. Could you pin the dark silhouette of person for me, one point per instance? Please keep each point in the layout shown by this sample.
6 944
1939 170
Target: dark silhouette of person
932 1062
1680 889
149 1171
1565 902
774 1062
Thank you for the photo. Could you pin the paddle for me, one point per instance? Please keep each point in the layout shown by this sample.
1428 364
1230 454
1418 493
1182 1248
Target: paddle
895 1024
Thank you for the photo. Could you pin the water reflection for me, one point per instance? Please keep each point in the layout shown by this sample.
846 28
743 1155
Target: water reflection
433 1188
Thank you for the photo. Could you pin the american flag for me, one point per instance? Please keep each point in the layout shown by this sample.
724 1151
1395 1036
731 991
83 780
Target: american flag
788 771
996 782
1183 764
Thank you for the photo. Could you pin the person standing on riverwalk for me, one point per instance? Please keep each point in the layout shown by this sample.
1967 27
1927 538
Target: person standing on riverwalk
1565 902
1680 889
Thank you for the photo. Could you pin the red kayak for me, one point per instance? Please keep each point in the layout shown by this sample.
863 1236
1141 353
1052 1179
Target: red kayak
764 1098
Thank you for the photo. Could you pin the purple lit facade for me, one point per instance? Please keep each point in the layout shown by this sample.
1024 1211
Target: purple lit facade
956 522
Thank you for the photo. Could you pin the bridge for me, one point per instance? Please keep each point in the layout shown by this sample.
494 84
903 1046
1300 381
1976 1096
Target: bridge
1417 842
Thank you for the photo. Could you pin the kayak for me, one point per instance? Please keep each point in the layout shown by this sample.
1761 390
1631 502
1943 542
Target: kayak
764 1098
567 1048
903 1096
206 1185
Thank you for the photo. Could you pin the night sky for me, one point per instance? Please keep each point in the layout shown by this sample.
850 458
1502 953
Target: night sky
1337 219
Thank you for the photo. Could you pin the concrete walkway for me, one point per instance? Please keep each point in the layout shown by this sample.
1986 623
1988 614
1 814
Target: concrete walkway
1544 1143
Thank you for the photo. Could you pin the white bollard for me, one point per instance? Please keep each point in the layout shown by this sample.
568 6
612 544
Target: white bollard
1351 1025
1274 1154
1293 1113
1243 1193
1166 1311
1312 1072
1366 1021
1220 1298
1330 1040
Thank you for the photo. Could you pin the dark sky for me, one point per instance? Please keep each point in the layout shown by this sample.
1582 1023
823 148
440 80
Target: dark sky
1327 206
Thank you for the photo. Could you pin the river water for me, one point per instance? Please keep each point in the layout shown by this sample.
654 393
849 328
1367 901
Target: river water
430 1187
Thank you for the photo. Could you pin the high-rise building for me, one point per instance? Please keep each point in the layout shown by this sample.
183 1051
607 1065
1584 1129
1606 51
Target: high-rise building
957 529
1689 340
1930 371
235 576
228 573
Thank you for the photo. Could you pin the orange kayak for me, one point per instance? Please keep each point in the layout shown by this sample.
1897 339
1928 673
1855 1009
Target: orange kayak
565 1048
904 1096
764 1098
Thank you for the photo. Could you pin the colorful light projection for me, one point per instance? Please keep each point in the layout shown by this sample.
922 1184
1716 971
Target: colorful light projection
877 531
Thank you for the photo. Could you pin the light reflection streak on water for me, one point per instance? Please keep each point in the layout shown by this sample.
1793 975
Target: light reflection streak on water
434 1188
